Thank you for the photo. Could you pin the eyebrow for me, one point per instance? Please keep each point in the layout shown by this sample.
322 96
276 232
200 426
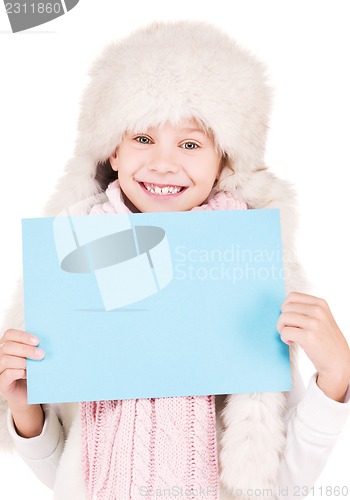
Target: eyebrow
193 130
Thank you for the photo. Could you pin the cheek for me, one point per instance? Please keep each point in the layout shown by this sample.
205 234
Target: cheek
207 173
127 156
127 166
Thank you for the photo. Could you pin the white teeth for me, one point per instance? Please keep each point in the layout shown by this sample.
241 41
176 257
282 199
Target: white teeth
162 191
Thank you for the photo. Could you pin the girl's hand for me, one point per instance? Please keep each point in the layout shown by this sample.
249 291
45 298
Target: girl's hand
15 347
308 321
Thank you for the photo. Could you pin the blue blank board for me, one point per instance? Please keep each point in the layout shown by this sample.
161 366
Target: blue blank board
210 330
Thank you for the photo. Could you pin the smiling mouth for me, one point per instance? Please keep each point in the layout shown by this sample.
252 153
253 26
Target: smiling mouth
162 190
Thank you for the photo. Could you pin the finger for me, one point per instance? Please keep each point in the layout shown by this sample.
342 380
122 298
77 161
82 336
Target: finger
21 350
11 362
295 320
11 375
304 298
19 336
305 309
318 313
297 307
290 335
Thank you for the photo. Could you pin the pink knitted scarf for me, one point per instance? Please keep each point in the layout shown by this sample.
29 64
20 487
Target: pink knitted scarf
141 448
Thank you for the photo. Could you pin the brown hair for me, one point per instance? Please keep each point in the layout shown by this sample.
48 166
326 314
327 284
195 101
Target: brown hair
105 174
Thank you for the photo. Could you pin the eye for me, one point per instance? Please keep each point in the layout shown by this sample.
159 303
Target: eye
142 139
189 145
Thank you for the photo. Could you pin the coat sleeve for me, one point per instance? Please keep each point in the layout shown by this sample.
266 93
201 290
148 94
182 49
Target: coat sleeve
41 453
314 423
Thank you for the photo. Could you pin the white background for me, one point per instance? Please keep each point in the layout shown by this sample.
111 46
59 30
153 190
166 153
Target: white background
305 44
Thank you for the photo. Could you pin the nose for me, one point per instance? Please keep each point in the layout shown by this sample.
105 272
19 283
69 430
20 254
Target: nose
163 161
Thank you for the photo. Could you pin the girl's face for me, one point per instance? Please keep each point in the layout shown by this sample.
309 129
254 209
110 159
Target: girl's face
166 169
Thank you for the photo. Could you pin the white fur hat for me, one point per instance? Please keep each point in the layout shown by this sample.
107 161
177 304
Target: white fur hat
167 72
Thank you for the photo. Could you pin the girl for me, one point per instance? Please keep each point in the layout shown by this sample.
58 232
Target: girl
175 118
